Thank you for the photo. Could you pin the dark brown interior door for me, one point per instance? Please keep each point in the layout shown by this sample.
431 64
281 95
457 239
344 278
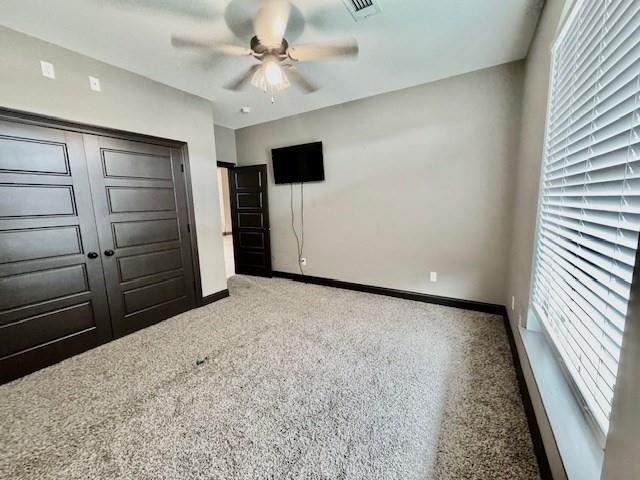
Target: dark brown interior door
52 297
139 197
250 220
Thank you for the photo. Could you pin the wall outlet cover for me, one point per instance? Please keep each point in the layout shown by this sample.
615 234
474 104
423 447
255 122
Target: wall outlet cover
433 276
94 84
47 69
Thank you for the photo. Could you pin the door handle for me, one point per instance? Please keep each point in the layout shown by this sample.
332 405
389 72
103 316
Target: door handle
92 255
108 253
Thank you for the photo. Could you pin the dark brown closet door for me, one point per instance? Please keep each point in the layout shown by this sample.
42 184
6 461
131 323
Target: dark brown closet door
140 204
250 220
52 297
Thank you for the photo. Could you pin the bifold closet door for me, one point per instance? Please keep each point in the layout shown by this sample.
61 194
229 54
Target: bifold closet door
140 202
52 295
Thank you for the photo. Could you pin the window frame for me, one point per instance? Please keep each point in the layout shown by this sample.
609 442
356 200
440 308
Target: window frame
534 318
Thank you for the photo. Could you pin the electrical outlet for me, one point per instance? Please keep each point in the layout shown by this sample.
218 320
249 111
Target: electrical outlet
303 261
433 276
513 303
94 84
48 70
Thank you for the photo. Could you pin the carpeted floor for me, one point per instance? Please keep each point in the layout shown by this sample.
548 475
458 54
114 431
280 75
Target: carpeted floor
299 382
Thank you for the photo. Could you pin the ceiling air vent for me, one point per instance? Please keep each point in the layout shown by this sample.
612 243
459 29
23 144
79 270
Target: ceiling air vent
362 9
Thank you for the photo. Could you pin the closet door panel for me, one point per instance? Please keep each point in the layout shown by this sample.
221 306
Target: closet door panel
140 203
52 297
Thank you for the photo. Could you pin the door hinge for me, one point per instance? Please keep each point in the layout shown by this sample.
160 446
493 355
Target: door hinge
182 167
188 228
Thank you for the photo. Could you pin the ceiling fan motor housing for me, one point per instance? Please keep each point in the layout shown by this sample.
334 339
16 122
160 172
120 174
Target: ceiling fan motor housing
262 51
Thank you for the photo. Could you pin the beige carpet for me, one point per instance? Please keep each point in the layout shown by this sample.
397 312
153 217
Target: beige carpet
299 382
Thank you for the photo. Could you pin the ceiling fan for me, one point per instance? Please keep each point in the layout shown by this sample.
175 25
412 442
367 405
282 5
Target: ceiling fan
275 69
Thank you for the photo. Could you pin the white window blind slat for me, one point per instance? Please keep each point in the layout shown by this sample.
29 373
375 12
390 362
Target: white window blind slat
598 266
587 51
595 293
589 214
629 222
560 259
601 77
600 324
565 310
578 38
588 366
597 252
586 304
606 234
592 178
616 30
585 356
626 204
599 260
608 95
600 152
609 110
602 169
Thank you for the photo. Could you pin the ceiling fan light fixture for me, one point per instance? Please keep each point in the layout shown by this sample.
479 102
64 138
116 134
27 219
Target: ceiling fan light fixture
273 74
270 77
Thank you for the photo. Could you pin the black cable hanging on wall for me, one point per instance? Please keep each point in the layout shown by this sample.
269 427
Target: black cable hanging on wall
299 239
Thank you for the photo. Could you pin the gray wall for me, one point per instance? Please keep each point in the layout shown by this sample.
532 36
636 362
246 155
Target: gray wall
621 454
225 199
225 144
527 179
127 102
529 159
416 181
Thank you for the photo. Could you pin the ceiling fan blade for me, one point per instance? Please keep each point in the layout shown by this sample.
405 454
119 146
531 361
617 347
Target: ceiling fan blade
307 53
240 82
271 22
300 80
179 41
240 15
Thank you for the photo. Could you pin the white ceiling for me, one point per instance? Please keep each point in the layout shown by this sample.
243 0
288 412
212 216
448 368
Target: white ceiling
411 42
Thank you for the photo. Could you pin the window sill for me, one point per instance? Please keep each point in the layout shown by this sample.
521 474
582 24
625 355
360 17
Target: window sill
579 450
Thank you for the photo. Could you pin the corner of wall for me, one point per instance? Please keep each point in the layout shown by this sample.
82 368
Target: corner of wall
226 149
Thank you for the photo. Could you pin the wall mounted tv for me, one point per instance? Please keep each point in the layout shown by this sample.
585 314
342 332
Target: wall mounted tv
298 164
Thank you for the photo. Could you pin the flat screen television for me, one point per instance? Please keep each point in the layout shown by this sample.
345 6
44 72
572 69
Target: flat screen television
298 164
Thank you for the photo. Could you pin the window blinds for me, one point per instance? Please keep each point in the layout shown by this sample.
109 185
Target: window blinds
589 213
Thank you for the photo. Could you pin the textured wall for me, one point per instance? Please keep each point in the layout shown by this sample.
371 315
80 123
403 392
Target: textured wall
417 180
127 102
225 144
527 182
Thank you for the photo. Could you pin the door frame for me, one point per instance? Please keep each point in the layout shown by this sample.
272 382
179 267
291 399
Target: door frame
19 116
228 166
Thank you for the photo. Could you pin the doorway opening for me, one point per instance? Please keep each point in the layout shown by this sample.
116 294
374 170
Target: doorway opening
225 215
